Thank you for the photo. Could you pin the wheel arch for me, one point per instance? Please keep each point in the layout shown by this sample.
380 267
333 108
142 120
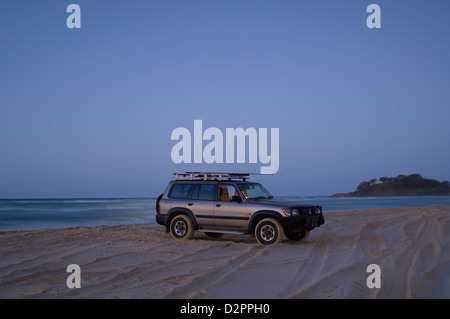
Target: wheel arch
175 211
260 215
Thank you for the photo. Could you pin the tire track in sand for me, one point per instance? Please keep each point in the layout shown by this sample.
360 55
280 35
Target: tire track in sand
197 284
308 270
400 269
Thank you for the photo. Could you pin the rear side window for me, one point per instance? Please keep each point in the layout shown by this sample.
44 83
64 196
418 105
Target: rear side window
205 192
180 191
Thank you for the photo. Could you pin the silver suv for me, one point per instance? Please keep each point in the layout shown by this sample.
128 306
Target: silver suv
217 203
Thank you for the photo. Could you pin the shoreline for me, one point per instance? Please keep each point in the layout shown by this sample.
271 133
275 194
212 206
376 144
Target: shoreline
350 195
23 215
142 261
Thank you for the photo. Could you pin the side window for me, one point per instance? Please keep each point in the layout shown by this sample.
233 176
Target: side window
206 192
180 191
226 193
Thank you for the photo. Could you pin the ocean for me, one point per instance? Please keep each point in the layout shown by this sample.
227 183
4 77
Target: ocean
32 214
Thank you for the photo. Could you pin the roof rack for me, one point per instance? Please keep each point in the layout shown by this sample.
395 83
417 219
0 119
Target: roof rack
211 176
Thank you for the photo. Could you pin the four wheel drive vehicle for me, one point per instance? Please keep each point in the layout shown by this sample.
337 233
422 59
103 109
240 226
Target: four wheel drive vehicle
217 203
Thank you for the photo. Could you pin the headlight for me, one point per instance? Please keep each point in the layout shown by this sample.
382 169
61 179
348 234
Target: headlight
295 212
287 211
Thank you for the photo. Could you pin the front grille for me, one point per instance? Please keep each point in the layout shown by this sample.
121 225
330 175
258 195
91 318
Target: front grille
310 211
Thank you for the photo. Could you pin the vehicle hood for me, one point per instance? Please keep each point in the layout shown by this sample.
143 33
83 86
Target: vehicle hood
279 203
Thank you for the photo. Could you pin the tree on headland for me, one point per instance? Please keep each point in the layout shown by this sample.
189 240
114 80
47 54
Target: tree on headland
386 179
363 187
402 185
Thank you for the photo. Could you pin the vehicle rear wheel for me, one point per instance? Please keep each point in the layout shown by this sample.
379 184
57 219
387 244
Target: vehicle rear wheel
182 227
297 234
269 231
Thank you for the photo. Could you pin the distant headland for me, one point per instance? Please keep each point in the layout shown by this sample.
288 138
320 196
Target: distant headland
402 185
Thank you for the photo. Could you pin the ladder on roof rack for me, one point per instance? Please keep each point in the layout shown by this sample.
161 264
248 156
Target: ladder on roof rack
211 176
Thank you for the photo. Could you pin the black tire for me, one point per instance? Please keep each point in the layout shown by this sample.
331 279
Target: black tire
269 231
297 234
213 235
181 227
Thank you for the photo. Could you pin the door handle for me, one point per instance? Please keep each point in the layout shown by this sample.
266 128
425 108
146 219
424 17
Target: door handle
218 205
190 204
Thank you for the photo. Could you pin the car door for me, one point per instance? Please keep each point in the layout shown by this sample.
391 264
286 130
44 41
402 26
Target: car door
202 202
178 195
230 211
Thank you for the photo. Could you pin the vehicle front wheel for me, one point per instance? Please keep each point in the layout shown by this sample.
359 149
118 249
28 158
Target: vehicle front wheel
269 231
182 227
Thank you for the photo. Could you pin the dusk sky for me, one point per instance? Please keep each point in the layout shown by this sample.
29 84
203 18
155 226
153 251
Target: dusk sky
89 112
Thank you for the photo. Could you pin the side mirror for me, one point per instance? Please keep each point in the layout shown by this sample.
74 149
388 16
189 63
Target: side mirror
236 199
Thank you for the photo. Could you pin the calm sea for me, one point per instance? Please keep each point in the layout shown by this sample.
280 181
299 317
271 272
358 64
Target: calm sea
28 214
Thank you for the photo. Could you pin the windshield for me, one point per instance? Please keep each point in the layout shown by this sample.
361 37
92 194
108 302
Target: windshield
254 190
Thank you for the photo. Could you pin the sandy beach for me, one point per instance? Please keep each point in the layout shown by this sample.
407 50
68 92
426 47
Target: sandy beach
411 246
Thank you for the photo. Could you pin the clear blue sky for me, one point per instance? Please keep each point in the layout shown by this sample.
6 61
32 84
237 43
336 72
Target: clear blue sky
89 112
